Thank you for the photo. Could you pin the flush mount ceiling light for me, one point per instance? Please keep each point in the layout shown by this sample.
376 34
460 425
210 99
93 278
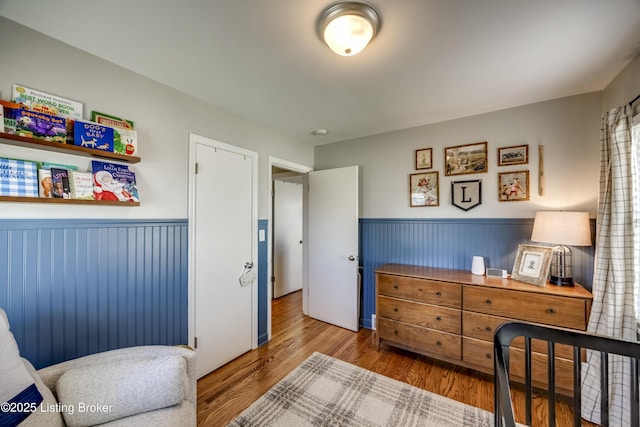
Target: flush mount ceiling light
348 27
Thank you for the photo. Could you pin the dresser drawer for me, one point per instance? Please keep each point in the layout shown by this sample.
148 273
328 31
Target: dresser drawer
532 307
480 326
423 290
417 313
427 340
480 353
483 327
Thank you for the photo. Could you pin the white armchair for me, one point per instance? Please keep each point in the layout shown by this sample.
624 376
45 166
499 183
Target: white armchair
146 385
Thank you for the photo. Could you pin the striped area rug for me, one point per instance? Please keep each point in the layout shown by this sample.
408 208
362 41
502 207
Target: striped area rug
324 391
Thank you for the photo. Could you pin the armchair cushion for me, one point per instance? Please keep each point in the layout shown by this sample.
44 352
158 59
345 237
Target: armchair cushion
110 391
19 396
48 413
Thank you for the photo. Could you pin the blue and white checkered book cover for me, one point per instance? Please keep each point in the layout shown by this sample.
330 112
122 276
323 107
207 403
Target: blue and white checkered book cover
18 178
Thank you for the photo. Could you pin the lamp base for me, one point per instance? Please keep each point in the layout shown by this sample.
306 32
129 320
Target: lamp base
561 281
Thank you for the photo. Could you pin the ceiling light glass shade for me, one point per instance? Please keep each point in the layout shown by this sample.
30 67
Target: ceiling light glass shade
347 28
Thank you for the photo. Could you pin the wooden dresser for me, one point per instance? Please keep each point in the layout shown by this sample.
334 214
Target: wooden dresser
451 315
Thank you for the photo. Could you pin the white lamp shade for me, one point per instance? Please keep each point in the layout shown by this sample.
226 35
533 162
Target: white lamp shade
562 228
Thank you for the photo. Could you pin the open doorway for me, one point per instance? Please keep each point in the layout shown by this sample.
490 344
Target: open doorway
286 256
290 176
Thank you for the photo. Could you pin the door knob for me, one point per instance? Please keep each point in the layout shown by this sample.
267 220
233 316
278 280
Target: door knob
352 258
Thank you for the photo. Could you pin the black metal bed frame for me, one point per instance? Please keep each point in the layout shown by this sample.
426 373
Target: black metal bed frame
504 414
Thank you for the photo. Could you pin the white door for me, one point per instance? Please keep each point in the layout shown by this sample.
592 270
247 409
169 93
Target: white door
287 237
223 229
333 294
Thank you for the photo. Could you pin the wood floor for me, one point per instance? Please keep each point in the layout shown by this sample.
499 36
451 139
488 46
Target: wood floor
226 392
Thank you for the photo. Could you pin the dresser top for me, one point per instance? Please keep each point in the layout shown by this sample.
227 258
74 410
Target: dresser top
466 278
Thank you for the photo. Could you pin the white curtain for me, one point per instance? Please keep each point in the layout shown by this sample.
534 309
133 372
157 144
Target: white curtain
616 272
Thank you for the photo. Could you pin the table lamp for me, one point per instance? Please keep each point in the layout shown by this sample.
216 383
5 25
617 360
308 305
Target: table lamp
562 229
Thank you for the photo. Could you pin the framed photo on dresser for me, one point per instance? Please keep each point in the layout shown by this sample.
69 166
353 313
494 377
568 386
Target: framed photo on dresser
532 264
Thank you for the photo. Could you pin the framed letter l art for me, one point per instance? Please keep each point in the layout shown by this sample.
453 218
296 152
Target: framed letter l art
466 194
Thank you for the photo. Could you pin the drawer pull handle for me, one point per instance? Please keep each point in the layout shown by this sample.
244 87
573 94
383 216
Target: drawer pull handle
438 294
488 301
551 311
438 318
395 332
395 286
487 355
487 328
438 343
395 309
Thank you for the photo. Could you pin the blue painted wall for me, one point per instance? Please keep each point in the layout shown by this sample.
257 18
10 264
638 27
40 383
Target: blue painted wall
448 243
263 266
76 287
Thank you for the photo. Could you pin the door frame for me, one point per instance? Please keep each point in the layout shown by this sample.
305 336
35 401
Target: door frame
199 139
294 167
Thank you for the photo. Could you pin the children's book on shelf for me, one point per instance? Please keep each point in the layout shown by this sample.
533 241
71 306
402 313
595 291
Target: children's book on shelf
43 102
49 165
9 110
109 120
45 183
8 124
125 141
125 138
32 124
92 135
18 178
81 184
113 182
60 179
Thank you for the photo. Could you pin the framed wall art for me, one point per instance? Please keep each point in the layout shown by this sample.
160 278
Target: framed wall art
466 194
424 189
513 186
464 159
532 264
424 158
516 155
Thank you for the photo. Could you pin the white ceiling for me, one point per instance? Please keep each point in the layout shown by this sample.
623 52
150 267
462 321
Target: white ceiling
432 60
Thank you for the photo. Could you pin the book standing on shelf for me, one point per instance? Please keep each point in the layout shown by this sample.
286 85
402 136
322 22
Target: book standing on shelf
113 182
125 138
49 165
92 135
43 102
41 126
18 178
81 184
46 184
60 179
